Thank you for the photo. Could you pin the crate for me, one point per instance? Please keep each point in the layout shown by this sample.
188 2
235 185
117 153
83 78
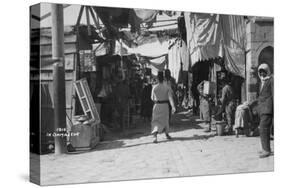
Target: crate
84 136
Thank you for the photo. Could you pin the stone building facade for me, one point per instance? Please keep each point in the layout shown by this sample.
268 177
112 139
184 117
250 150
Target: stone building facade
260 47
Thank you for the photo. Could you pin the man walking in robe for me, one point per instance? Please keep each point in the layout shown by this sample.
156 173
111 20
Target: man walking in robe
161 95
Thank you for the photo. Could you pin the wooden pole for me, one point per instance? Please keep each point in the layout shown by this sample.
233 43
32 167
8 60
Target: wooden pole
58 78
88 21
80 15
94 18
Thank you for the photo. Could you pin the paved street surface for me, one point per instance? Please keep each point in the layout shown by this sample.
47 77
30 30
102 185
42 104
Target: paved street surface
132 155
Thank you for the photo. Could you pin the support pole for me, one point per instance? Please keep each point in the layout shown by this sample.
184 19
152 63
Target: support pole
88 21
58 78
94 18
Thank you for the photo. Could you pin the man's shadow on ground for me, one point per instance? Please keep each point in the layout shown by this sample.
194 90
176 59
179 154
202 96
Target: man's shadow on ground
118 144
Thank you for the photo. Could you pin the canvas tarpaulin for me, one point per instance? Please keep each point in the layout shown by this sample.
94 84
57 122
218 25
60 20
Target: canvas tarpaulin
204 36
234 42
151 46
155 63
139 16
212 35
115 18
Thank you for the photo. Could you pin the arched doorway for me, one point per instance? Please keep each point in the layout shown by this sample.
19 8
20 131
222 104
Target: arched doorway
267 56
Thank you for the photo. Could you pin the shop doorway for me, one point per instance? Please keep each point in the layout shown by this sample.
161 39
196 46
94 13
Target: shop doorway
267 56
200 72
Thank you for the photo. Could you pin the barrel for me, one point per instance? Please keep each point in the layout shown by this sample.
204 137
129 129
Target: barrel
220 128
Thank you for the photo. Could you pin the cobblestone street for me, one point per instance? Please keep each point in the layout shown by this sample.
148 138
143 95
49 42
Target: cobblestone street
132 155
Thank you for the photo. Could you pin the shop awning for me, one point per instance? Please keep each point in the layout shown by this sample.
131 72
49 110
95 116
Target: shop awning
203 36
210 36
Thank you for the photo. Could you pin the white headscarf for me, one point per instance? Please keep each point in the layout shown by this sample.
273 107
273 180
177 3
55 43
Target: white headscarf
266 68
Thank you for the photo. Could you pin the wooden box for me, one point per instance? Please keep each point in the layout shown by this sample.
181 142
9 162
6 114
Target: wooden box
84 136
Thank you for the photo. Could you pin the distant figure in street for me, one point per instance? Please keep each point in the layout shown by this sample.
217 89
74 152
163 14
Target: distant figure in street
205 106
161 95
180 95
228 106
122 98
170 81
195 98
265 108
146 102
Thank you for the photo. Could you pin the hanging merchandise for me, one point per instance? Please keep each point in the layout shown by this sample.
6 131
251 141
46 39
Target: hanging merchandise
182 28
184 56
178 58
174 59
87 61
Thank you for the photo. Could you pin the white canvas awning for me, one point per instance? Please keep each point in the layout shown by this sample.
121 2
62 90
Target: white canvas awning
213 35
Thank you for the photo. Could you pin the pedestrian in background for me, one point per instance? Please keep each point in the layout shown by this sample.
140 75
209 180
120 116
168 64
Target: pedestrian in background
170 82
122 97
146 102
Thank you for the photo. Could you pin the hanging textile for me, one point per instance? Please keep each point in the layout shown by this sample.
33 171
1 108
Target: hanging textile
235 61
150 46
121 48
178 58
211 36
174 59
234 41
146 15
139 16
204 36
182 28
155 64
100 49
184 56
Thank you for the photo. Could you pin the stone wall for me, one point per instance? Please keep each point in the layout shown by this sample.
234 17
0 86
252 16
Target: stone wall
260 34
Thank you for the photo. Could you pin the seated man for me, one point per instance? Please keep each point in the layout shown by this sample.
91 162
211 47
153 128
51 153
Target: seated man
244 118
